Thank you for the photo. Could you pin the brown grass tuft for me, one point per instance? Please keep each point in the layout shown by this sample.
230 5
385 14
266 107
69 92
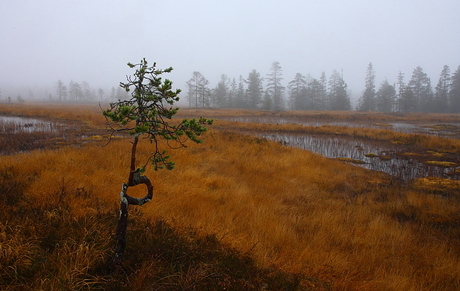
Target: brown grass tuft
340 226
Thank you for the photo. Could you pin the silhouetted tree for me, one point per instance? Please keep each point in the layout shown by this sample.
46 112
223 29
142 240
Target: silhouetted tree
267 102
198 91
87 92
298 92
61 91
232 94
386 97
420 86
454 93
146 113
316 95
274 87
324 96
408 100
254 90
240 97
75 92
338 95
368 98
20 99
401 87
220 93
441 96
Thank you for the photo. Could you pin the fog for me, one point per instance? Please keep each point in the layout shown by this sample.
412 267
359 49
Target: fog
46 41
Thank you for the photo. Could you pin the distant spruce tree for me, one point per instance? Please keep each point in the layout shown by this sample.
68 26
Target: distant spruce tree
454 93
240 95
386 97
316 95
220 94
254 90
441 96
298 93
420 85
368 98
338 95
274 88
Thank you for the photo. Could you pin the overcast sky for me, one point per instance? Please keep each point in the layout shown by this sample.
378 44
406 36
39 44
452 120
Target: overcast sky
92 40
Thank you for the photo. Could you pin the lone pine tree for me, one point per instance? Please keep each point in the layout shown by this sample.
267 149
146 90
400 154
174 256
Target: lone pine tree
147 113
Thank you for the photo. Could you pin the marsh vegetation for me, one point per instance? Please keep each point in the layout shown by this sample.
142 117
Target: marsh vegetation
240 211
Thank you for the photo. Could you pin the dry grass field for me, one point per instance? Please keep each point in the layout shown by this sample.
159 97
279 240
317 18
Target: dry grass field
237 213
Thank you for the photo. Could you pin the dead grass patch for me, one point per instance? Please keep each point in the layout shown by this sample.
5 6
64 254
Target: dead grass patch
281 209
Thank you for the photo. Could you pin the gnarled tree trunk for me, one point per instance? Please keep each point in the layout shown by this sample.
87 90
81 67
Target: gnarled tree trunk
135 178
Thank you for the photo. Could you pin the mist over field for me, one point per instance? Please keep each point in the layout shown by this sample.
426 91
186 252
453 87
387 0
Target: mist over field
320 149
91 41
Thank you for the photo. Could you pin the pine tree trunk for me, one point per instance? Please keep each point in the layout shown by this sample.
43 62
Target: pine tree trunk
135 178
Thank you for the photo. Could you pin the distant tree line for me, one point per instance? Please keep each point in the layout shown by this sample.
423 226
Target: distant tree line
303 92
76 92
8 99
417 95
307 93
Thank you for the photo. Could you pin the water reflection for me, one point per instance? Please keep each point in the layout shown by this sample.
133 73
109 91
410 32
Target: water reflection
371 155
15 124
449 130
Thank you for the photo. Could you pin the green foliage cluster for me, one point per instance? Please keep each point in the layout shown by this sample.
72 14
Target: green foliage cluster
149 110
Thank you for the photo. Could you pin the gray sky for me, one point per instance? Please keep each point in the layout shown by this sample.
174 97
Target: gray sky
92 40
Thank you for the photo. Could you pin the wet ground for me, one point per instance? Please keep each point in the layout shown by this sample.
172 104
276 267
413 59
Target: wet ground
16 124
402 162
441 129
22 134
19 134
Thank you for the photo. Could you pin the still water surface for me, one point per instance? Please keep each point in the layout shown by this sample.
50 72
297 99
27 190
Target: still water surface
448 130
16 124
372 155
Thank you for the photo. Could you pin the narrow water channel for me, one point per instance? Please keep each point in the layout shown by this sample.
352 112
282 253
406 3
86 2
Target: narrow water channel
448 130
369 155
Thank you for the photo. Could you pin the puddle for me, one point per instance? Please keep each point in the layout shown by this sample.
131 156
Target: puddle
22 134
369 155
16 124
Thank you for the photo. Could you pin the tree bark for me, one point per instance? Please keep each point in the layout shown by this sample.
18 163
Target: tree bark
135 178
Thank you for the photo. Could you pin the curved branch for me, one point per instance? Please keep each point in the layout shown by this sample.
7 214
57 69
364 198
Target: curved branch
137 180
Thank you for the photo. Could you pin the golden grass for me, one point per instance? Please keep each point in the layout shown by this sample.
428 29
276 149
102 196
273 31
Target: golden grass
331 222
341 224
301 212
89 114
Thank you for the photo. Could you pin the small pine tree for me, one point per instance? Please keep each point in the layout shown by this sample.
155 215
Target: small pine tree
146 113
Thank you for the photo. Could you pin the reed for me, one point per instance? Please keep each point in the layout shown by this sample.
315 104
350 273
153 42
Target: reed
421 141
313 115
340 226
